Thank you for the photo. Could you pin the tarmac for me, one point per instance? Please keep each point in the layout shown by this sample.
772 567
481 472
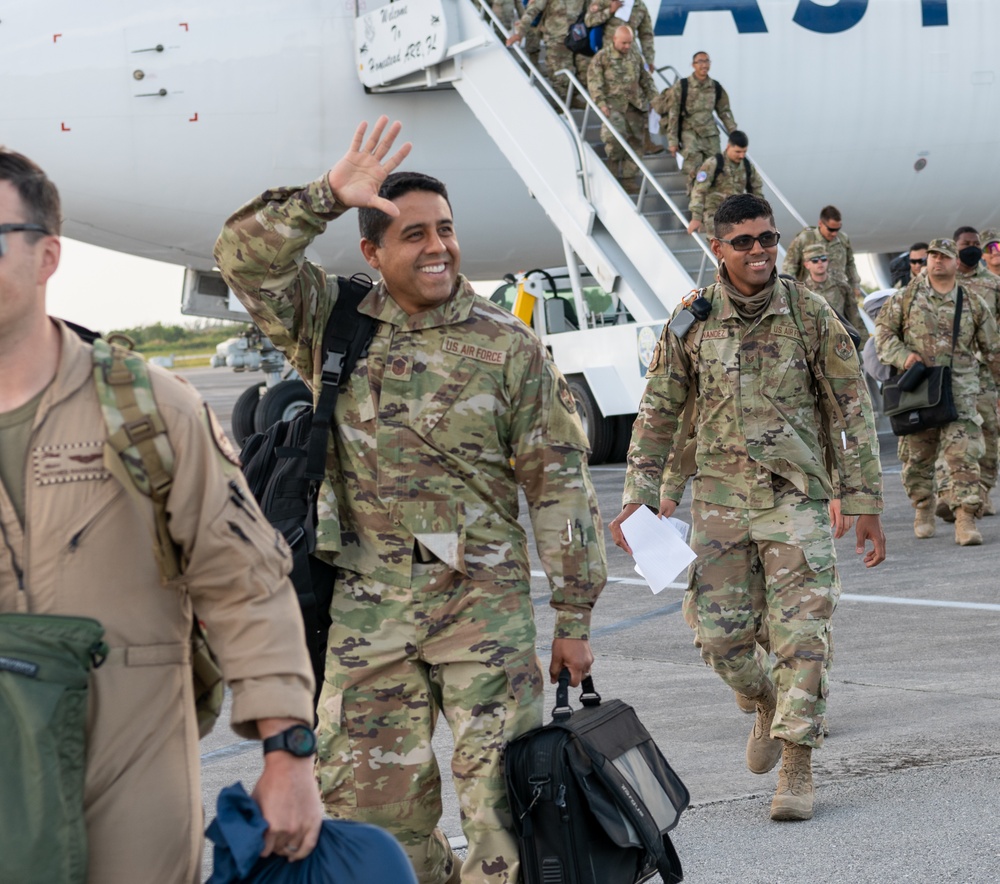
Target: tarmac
908 781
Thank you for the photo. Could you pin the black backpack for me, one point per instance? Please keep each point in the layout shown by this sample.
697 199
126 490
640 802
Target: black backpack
682 110
285 465
720 160
582 40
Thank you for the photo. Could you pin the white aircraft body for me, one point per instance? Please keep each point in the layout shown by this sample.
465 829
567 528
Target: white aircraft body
156 120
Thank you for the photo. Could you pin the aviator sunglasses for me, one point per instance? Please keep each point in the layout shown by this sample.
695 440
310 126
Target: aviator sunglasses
822 259
768 240
17 228
920 261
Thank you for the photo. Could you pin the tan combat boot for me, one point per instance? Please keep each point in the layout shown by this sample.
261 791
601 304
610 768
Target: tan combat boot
793 799
923 519
987 508
944 511
746 704
966 533
763 751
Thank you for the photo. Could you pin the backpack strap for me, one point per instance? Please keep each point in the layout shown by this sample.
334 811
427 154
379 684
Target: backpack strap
748 169
346 336
718 92
718 168
143 458
682 109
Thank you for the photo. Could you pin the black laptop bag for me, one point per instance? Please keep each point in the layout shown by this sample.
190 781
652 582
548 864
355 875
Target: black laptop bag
592 796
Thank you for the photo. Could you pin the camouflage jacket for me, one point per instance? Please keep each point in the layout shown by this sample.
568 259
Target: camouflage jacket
618 79
839 251
706 198
762 408
557 17
921 320
450 411
839 295
984 284
698 109
641 22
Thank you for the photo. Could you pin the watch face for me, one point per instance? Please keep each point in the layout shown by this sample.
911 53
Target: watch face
300 740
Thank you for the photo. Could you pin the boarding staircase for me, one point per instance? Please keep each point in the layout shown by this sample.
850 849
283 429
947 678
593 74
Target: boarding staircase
636 247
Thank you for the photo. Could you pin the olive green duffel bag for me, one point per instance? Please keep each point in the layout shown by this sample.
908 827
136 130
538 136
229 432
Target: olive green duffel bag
45 663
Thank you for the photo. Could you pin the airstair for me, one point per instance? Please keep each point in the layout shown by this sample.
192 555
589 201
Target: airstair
636 247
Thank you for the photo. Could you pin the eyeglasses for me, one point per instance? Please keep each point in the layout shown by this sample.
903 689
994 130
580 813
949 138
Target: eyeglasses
743 243
702 61
831 229
993 247
17 228
822 259
920 261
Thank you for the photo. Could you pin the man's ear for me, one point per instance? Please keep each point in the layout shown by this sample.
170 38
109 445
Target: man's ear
370 252
50 248
716 248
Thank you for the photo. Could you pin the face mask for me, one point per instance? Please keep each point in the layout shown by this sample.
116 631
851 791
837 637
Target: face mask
970 255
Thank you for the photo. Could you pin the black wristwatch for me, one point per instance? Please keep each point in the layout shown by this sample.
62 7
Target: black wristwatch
297 739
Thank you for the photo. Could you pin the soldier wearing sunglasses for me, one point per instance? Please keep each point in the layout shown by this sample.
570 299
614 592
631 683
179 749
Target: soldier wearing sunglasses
829 234
991 250
836 292
776 386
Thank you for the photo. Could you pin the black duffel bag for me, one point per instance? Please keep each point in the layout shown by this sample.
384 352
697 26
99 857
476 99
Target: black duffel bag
921 398
592 796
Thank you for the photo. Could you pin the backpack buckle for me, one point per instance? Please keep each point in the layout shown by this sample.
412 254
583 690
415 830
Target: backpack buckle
139 430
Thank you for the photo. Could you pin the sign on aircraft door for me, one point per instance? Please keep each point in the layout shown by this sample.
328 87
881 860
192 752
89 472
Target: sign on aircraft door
399 39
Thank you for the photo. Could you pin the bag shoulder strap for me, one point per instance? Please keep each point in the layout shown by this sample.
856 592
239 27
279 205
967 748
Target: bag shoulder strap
344 339
719 161
718 91
144 457
749 170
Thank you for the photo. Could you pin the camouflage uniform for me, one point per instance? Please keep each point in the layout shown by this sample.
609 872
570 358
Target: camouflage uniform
839 251
557 18
699 136
447 414
836 292
706 197
987 286
640 21
762 485
920 320
619 82
507 11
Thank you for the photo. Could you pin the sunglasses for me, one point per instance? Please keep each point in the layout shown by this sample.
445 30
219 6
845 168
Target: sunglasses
17 228
920 261
993 247
768 240
822 259
832 229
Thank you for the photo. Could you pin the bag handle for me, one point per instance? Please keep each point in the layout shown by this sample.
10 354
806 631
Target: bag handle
588 695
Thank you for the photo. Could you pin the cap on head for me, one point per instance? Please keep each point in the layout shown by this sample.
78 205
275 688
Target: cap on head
814 251
944 247
989 236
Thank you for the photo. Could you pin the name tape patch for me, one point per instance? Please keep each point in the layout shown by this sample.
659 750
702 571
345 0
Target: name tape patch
473 351
716 333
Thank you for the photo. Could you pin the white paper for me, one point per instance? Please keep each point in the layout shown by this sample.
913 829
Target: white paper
658 548
625 12
680 161
654 122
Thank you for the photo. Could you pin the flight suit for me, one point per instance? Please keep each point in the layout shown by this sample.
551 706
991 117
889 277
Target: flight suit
695 134
839 251
449 412
921 320
762 486
618 81
85 549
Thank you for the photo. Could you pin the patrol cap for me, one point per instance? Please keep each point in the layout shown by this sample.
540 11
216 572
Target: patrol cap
816 250
988 236
944 247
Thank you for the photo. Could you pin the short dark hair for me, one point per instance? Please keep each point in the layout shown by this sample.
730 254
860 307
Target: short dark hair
738 138
965 229
373 223
829 213
918 247
739 208
38 194
699 52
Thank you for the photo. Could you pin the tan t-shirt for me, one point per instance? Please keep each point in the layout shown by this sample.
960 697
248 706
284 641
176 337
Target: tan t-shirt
15 431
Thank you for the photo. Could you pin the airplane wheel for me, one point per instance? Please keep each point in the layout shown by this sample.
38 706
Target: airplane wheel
597 427
622 437
280 403
243 413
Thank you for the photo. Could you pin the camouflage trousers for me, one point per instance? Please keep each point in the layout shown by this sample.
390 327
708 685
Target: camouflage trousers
557 58
986 408
960 446
632 124
697 149
794 545
397 657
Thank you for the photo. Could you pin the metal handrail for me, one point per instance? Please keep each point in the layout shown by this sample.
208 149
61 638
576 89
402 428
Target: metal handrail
648 177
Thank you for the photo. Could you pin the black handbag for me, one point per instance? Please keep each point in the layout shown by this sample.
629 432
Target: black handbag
592 796
921 398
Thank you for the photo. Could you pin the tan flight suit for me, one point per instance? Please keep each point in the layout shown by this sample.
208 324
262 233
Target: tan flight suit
86 550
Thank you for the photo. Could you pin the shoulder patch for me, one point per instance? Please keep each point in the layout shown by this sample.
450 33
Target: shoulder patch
566 396
220 438
701 176
844 347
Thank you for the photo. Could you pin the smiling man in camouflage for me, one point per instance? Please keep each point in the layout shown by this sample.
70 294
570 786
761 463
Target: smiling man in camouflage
454 406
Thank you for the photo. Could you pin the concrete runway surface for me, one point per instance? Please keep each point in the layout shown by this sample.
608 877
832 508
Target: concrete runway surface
908 782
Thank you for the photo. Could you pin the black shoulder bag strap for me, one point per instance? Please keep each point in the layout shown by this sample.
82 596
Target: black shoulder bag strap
747 168
719 160
344 339
681 110
954 328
